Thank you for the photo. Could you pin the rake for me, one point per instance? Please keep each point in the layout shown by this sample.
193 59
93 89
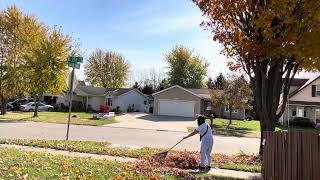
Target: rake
164 154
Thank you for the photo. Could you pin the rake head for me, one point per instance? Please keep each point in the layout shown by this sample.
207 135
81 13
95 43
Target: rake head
160 156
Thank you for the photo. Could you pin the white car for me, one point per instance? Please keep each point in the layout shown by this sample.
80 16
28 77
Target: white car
31 106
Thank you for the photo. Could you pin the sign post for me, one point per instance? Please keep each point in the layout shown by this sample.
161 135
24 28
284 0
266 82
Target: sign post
74 63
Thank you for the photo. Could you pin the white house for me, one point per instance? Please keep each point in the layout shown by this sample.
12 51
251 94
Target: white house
90 98
303 100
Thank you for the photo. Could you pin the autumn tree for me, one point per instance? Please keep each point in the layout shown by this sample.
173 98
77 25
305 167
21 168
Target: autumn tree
186 68
107 69
271 41
46 67
16 40
235 95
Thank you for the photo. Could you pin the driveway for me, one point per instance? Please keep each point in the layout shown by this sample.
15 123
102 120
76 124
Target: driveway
153 122
124 136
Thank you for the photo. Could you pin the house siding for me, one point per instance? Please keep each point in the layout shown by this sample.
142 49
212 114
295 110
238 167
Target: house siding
310 113
131 98
238 115
95 102
177 94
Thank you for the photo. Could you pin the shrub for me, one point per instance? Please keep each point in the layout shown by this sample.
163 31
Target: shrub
302 122
130 108
104 109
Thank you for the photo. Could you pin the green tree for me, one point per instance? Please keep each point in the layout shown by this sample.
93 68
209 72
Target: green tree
163 85
210 83
107 69
185 68
47 65
219 82
271 41
235 95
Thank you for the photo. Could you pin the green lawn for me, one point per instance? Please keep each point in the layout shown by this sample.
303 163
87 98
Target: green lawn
239 128
17 164
58 117
239 162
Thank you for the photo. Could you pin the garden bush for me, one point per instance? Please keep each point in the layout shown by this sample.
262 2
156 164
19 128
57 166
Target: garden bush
302 122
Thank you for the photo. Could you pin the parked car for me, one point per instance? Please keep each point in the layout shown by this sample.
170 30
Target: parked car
18 102
32 105
9 106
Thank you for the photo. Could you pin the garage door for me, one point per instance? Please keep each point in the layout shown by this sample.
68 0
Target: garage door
176 108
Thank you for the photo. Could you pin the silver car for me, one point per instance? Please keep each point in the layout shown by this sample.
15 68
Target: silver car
31 107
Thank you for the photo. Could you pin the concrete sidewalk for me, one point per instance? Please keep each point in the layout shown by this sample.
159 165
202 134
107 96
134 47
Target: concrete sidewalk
215 172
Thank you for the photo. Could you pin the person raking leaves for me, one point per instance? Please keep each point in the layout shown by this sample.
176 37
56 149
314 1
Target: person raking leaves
206 138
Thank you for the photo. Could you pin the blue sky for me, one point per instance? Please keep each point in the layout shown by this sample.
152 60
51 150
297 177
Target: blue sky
142 30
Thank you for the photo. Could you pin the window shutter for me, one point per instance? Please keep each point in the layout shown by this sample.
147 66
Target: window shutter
313 90
305 114
294 113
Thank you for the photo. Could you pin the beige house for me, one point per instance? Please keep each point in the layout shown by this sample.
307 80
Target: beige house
179 101
303 100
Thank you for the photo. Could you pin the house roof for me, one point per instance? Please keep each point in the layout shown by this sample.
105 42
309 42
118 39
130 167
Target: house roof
90 90
298 82
303 86
304 103
118 91
100 91
201 93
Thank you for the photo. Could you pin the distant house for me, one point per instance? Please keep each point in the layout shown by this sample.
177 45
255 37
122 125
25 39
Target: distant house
303 100
90 98
179 101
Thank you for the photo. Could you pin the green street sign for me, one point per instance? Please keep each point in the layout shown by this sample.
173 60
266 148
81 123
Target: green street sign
75 59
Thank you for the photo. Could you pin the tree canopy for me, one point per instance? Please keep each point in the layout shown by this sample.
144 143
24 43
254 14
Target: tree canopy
33 57
185 68
236 94
271 41
107 69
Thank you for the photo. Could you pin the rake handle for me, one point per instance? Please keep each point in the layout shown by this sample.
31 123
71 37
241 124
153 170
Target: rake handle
176 144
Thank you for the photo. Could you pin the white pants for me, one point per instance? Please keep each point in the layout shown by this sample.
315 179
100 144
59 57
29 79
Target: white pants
205 152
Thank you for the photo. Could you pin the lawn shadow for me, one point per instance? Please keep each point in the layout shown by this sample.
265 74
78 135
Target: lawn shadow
232 132
157 118
10 121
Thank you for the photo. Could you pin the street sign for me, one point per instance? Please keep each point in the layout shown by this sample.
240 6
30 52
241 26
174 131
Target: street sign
75 59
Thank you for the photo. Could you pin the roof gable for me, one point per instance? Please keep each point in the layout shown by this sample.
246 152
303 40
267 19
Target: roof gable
176 86
201 93
309 82
83 90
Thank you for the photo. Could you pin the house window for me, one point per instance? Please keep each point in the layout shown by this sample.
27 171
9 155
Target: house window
145 102
294 113
227 109
300 112
109 101
317 90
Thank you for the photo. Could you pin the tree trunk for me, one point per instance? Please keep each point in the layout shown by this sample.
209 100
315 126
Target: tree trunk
4 102
230 118
37 101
